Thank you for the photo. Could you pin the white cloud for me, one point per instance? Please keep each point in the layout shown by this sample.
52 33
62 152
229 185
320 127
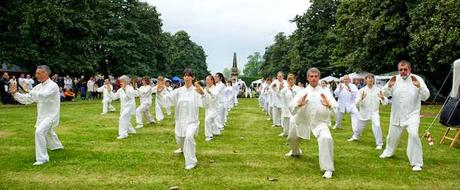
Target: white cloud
226 26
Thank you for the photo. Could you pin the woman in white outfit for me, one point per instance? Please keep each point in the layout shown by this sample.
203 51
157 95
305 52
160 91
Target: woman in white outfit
126 94
145 96
287 94
106 91
187 102
211 125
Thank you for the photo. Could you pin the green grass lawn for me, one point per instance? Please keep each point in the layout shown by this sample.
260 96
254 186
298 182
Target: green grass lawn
248 151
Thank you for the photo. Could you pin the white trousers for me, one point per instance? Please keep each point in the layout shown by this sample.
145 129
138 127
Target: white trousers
276 115
285 121
124 124
221 115
325 146
45 137
107 106
375 119
414 145
158 112
211 125
354 118
188 145
143 109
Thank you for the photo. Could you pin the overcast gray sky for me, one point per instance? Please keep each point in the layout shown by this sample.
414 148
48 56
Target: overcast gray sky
226 26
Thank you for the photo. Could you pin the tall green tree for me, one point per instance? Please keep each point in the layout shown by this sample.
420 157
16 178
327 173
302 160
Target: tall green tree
253 66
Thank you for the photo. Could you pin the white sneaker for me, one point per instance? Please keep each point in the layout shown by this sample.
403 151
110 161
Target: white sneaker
327 174
208 139
290 154
38 163
178 151
191 166
352 139
122 137
379 147
139 126
335 127
103 113
416 168
132 132
383 156
268 119
281 135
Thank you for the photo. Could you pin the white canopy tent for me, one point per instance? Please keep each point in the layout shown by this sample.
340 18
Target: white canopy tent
330 79
256 83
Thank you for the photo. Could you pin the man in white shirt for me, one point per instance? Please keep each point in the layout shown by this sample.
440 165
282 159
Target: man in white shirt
46 95
287 94
276 87
106 91
310 109
346 94
368 102
407 91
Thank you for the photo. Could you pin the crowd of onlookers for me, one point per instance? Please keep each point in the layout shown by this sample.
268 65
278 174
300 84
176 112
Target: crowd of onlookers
70 88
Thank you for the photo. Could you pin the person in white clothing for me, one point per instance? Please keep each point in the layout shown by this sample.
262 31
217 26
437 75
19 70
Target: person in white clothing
211 125
260 90
126 94
145 95
46 95
160 102
276 88
407 91
221 99
187 102
268 100
368 103
167 104
287 94
68 83
106 91
325 86
310 109
30 82
229 93
346 93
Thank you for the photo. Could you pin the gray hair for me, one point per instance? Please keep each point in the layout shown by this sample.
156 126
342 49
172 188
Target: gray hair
124 77
405 62
45 68
313 70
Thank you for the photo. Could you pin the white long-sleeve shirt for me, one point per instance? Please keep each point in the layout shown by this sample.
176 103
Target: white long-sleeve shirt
287 94
220 88
46 95
210 101
276 96
90 84
106 93
127 99
187 104
346 97
406 99
313 114
370 104
145 94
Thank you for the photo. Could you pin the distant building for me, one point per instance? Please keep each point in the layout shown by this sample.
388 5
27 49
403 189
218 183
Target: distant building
234 74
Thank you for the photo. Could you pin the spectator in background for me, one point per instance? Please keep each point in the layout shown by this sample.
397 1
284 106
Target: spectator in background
4 88
30 82
68 83
91 87
83 87
69 95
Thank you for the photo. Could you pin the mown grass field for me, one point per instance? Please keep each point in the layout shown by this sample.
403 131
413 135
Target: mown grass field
242 158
